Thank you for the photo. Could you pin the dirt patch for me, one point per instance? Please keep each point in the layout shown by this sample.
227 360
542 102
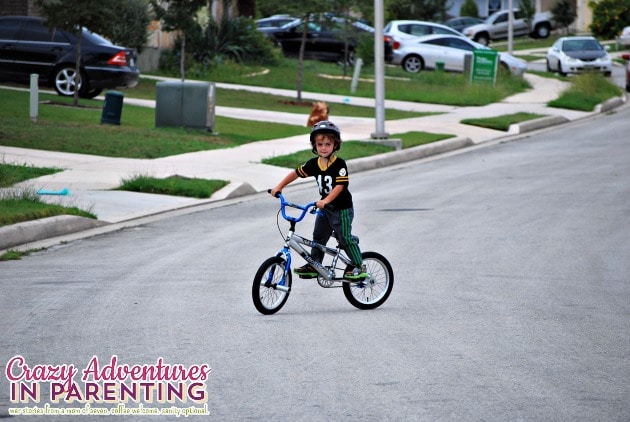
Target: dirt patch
61 104
297 104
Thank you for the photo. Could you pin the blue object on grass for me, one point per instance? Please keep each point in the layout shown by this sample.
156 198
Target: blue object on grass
63 191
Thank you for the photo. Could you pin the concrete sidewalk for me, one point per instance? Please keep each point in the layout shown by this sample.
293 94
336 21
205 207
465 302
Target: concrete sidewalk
89 178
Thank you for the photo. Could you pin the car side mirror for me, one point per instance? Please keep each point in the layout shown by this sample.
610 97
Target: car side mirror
607 47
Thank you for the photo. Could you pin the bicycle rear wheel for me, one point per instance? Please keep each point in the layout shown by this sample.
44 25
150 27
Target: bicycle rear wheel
375 289
271 288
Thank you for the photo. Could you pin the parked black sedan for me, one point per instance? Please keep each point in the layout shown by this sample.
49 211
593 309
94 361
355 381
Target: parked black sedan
332 39
27 46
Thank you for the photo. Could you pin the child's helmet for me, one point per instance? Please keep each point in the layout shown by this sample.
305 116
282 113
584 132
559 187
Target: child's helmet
329 127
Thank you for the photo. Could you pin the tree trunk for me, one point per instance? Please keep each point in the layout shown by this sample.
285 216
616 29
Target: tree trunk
77 70
300 69
182 59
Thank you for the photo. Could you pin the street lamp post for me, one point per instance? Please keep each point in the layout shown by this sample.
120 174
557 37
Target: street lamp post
379 72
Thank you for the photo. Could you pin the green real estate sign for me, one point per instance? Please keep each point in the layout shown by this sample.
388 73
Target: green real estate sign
484 66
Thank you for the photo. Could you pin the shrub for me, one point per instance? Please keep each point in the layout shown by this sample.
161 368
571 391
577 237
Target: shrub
609 17
235 39
469 8
564 14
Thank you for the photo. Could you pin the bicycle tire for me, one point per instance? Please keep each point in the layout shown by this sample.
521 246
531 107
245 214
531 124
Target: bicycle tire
374 290
269 300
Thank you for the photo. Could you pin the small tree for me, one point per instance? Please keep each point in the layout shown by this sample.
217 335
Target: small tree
416 9
130 26
528 10
469 8
73 16
179 15
563 14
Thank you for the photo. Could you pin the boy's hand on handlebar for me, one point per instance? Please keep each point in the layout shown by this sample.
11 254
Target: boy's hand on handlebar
274 192
321 204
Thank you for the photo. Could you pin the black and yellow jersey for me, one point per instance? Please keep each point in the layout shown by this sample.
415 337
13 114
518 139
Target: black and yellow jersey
327 177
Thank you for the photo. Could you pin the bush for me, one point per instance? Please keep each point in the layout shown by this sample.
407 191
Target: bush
609 17
365 49
130 27
235 39
230 40
469 8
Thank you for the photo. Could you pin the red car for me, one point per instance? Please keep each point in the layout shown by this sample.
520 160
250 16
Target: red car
626 57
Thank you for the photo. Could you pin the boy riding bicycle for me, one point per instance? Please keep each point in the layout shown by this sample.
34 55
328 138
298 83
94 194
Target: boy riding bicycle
331 174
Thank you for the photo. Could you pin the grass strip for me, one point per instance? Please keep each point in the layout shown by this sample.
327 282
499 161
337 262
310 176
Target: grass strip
174 185
502 122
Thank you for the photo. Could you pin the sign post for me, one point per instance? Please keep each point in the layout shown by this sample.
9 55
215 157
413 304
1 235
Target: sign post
484 66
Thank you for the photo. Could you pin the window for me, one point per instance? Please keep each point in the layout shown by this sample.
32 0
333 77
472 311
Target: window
8 29
34 31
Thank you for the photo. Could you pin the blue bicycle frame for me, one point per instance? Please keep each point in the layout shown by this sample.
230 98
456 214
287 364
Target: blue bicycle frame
295 241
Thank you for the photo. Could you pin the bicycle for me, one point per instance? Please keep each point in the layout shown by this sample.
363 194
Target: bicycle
273 280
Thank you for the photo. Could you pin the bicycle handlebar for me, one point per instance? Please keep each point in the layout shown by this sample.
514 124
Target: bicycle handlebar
310 207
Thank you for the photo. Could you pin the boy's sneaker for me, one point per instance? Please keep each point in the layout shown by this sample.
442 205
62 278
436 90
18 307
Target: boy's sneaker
306 271
355 273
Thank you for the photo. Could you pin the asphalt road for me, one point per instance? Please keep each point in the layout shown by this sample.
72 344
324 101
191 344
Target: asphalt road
511 299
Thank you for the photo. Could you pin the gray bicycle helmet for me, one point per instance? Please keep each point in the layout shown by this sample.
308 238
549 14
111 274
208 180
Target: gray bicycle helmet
326 126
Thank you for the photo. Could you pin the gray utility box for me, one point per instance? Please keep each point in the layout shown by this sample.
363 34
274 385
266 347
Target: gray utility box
187 104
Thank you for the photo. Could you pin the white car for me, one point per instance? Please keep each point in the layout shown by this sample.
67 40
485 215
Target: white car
624 38
578 55
423 53
402 30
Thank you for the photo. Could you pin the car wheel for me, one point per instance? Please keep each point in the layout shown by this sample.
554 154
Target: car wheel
350 57
560 72
413 64
65 82
542 30
482 39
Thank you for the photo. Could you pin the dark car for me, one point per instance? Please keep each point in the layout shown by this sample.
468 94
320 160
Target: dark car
626 57
462 22
27 46
274 21
325 40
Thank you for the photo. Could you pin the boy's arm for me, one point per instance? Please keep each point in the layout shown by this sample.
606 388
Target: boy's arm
330 197
287 179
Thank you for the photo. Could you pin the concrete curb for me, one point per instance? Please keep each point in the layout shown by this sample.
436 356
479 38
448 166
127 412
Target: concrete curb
30 231
610 104
409 154
535 124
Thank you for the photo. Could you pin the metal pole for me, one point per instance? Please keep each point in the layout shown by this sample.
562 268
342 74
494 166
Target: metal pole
379 71
510 25
34 97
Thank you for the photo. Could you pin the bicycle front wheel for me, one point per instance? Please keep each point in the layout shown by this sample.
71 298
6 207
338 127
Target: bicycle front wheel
271 288
375 289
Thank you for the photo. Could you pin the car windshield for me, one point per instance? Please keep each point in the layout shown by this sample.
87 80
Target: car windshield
291 24
581 45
